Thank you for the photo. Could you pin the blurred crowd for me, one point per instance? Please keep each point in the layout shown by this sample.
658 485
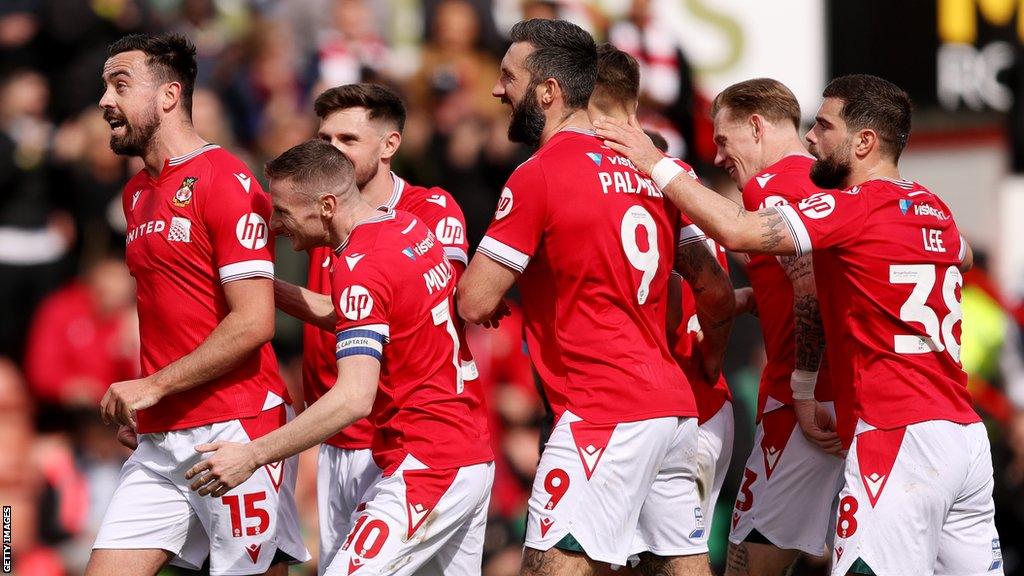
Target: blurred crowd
70 327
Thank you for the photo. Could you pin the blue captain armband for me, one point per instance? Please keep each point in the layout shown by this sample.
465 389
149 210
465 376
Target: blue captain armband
364 340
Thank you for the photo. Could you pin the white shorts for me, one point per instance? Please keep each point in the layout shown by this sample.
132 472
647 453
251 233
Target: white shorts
918 500
342 478
420 521
660 520
241 532
789 487
593 482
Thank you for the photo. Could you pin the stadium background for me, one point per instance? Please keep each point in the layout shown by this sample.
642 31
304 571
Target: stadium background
67 303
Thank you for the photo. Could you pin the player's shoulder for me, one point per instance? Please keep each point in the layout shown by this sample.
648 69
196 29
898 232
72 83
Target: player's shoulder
787 179
421 199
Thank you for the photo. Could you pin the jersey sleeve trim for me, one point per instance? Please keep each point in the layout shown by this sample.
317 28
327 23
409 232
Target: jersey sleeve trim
503 254
246 269
690 234
365 340
456 254
801 239
963 249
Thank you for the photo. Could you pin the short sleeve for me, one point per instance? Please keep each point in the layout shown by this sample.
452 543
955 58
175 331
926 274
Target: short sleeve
362 299
445 218
825 220
236 218
518 224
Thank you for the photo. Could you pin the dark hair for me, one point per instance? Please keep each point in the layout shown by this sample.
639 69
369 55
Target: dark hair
381 102
315 164
562 51
658 140
171 56
618 77
875 103
763 96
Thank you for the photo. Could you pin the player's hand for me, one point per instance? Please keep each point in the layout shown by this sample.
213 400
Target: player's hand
818 426
229 465
746 303
500 313
126 436
629 140
710 360
122 400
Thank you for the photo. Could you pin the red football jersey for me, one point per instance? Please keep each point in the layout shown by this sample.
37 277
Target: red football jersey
393 292
607 236
440 213
709 396
200 224
892 302
787 181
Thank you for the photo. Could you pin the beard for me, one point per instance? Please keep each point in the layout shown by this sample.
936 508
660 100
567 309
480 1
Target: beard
831 172
527 124
136 138
365 175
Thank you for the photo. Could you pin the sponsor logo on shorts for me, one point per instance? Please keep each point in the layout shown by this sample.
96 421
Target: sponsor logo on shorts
839 553
777 427
253 550
997 556
276 473
591 441
545 525
876 455
698 523
423 490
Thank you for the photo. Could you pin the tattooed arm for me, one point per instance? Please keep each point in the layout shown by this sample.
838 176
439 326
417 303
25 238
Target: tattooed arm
817 423
720 218
712 291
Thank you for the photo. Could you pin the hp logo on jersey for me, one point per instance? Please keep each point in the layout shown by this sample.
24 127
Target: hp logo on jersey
355 302
450 231
252 232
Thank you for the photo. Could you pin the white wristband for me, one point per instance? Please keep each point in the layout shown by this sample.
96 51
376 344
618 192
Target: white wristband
664 171
802 382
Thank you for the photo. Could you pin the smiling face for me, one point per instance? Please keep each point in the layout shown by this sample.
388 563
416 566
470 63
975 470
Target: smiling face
831 143
130 102
297 215
359 138
737 152
515 87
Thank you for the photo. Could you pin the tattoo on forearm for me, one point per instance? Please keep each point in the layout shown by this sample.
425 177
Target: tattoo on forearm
810 334
691 260
771 228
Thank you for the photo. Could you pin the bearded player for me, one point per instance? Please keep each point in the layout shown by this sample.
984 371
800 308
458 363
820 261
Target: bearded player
917 493
365 122
398 363
198 247
790 481
699 289
587 224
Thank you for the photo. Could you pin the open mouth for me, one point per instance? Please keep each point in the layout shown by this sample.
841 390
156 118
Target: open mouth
116 123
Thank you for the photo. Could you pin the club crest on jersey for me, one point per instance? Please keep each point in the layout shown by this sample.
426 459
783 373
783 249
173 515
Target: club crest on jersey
595 157
355 302
184 194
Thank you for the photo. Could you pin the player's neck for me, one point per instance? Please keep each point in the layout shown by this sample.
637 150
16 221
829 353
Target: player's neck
876 171
171 140
346 221
569 119
782 148
379 189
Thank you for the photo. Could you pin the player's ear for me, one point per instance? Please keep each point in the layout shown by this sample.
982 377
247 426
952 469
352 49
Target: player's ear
392 140
328 205
756 123
170 95
864 142
548 90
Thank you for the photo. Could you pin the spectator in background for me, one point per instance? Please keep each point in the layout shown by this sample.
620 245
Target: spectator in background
666 84
35 230
351 49
85 337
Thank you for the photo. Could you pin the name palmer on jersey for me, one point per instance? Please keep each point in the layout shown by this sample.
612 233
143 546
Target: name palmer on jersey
626 182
